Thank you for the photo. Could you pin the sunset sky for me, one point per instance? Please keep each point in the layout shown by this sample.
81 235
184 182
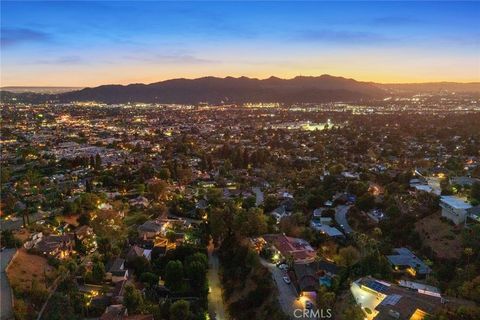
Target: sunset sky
91 43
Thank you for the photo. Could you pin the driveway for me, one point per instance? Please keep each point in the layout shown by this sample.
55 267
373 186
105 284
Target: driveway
5 291
258 196
216 307
341 218
287 294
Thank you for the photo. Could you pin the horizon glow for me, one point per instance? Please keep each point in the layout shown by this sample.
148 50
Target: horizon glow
89 43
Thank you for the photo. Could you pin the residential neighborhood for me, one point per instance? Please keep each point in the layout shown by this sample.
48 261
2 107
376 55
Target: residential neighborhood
233 212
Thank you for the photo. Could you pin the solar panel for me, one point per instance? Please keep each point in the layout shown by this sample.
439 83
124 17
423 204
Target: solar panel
391 299
377 286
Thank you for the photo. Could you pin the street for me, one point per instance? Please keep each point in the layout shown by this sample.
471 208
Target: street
215 298
341 218
5 291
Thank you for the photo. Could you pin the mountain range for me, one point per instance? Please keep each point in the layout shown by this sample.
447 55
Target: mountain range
215 90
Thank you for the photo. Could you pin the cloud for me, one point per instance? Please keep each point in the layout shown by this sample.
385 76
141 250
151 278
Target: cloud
342 36
65 60
14 36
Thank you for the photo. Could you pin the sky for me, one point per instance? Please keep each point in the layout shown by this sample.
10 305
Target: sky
88 43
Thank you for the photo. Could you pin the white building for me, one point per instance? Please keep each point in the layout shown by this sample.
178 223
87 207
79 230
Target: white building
454 209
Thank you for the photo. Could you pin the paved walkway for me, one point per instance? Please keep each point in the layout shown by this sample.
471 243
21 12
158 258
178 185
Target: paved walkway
6 291
216 307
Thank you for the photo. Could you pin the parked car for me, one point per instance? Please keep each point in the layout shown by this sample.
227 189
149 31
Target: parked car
287 280
283 267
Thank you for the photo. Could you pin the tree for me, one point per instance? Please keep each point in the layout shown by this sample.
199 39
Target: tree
98 162
164 174
468 252
8 240
348 256
475 192
249 202
352 312
196 272
366 202
180 310
174 275
84 219
98 272
20 310
140 188
171 237
158 188
140 265
471 289
104 245
325 298
252 222
149 277
132 300
218 224
446 187
270 203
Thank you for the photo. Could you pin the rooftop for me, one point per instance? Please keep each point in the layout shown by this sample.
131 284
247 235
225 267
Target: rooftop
455 202
387 300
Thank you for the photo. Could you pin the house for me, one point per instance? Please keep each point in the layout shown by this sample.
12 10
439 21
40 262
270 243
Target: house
474 213
381 300
116 270
279 213
202 204
454 209
405 260
376 215
136 252
308 277
139 202
318 216
287 247
83 232
463 181
56 246
326 229
150 229
119 312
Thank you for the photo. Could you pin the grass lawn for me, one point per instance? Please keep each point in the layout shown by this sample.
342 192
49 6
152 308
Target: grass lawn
25 268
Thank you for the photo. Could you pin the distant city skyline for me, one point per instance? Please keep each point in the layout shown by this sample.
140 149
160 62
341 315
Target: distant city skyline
93 43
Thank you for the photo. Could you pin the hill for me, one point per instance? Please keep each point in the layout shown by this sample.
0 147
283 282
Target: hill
215 90
223 90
